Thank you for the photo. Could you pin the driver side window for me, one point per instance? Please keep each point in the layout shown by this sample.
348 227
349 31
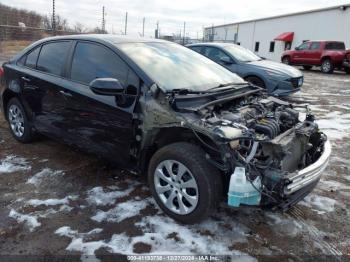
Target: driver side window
215 54
303 46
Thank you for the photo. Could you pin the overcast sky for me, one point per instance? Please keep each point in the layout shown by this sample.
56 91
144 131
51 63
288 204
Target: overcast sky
170 13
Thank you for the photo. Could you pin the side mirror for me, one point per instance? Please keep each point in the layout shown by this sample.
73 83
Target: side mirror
106 86
297 48
226 60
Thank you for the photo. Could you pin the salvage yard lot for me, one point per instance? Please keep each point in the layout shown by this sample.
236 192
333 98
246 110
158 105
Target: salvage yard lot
56 200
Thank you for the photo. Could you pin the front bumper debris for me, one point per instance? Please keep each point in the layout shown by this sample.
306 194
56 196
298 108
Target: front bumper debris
309 174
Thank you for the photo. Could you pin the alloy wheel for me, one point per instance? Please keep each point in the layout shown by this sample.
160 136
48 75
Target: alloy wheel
326 66
176 187
16 120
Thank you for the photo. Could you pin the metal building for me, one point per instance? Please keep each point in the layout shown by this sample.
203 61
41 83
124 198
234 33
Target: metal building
269 37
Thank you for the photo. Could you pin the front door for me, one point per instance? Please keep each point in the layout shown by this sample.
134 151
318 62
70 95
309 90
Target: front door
298 56
100 124
218 55
313 54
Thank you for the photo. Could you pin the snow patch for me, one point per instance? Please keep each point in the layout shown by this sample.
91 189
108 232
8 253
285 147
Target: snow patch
51 202
13 163
121 211
165 237
320 204
97 196
45 173
335 124
284 224
30 221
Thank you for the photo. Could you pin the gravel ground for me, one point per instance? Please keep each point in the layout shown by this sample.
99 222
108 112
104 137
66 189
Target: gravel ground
56 200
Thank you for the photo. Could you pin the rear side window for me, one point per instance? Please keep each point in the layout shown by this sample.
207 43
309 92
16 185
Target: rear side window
335 46
92 61
52 57
32 57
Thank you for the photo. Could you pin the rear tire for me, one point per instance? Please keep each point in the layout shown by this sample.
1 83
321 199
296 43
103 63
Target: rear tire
255 81
190 176
347 70
20 126
327 66
307 67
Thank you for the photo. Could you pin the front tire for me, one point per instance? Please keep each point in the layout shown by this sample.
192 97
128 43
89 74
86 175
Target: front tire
286 60
20 127
185 186
347 70
327 66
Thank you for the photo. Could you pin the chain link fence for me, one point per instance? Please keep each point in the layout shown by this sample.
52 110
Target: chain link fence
14 38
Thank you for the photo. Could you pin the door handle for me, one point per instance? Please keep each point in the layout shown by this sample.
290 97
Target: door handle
65 93
25 79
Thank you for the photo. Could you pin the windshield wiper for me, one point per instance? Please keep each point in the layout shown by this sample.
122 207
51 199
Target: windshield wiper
229 85
185 91
220 87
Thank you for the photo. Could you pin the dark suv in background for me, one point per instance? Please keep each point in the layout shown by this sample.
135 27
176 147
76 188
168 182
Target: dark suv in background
156 107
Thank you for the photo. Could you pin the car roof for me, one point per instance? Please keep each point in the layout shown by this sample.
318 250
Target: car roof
325 41
113 39
212 44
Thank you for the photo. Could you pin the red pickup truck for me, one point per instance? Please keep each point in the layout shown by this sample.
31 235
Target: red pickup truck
326 54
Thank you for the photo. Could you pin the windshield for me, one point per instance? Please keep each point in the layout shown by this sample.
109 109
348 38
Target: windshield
173 66
241 54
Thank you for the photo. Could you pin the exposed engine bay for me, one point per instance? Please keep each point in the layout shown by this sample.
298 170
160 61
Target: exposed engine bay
266 137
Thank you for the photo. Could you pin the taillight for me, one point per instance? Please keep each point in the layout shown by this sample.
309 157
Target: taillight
1 71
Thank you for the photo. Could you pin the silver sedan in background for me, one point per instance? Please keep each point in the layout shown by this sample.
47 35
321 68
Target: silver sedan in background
279 79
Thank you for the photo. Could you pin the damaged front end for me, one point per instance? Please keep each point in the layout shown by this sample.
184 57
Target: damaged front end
270 156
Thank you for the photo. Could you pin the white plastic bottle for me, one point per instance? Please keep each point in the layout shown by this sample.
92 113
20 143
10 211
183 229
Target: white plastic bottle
241 190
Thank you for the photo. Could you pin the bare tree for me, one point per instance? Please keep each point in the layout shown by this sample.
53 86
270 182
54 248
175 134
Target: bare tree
61 23
80 28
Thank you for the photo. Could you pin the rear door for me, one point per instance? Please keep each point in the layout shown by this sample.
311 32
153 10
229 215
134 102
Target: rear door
97 123
41 81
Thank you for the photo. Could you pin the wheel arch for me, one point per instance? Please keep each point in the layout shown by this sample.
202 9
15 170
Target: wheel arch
6 97
170 135
287 55
255 75
325 57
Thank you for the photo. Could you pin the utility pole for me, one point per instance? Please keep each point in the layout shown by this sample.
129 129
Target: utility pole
103 20
126 22
53 18
183 41
157 30
143 27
